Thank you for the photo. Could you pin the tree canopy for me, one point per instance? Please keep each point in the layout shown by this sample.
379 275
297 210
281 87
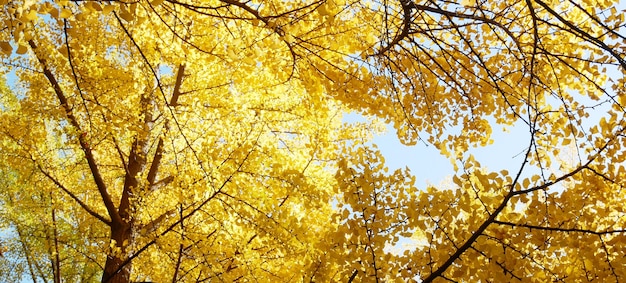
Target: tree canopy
195 141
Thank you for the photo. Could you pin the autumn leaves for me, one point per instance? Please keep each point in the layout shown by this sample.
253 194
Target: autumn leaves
195 141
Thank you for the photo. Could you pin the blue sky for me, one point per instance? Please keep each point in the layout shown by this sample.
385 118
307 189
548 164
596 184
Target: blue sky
432 168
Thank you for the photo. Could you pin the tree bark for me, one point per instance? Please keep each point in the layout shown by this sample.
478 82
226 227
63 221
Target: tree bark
114 272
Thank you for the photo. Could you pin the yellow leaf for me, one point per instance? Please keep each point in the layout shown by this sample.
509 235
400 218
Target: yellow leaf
107 9
535 178
231 54
94 6
63 51
124 14
32 15
322 9
54 13
21 49
6 47
65 13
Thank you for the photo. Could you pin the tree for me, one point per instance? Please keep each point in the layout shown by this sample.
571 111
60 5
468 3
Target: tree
449 73
207 138
199 165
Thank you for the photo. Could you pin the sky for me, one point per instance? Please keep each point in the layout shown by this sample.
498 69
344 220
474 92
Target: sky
433 169
505 153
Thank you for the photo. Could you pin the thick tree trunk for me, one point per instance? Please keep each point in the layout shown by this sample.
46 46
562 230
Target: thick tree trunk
114 272
115 269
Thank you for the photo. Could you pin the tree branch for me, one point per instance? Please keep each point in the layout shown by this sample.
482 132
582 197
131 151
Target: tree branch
82 138
557 229
408 5
583 34
190 214
74 197
152 225
179 82
158 155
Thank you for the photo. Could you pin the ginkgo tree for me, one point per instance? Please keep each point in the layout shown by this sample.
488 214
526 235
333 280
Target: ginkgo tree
189 162
447 73
196 141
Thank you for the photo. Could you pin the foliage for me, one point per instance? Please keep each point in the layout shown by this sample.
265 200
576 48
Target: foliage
204 140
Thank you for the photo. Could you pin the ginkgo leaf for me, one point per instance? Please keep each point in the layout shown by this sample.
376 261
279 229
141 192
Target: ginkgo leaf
54 13
6 47
126 15
21 49
156 2
31 15
108 8
65 13
94 6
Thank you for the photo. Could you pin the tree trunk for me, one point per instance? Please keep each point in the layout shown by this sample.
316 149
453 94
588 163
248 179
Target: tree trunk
114 272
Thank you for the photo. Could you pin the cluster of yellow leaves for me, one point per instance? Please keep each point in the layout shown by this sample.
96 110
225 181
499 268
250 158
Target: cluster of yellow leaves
243 187
463 68
225 117
375 211
541 235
